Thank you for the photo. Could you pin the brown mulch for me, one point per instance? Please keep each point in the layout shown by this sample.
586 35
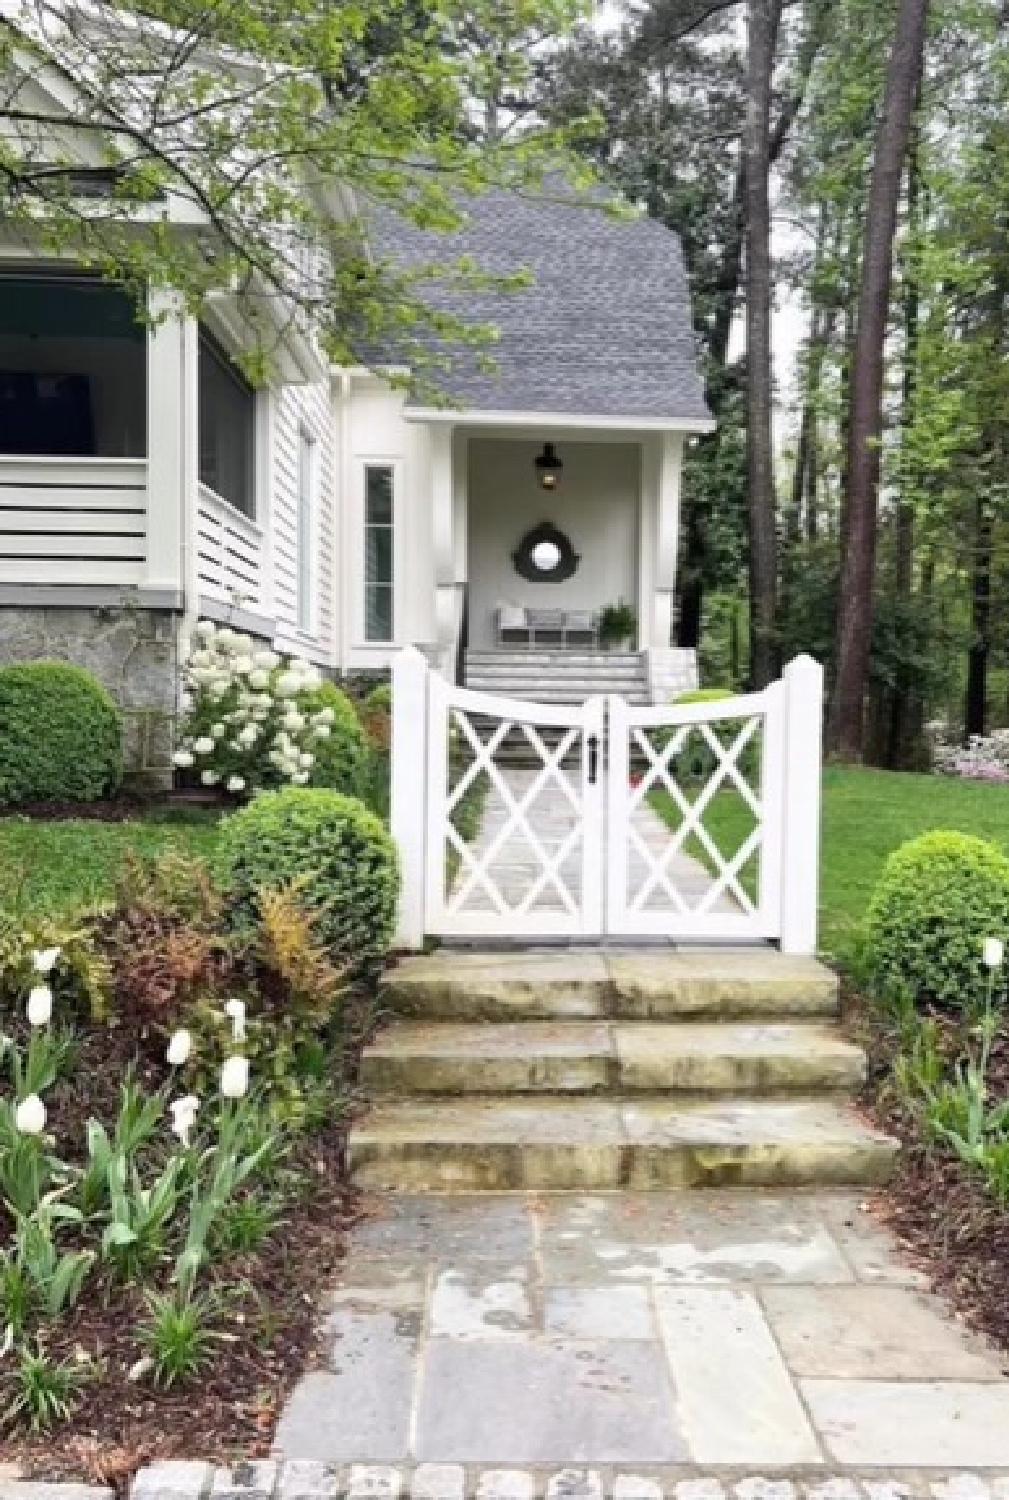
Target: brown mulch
947 1223
123 808
268 1328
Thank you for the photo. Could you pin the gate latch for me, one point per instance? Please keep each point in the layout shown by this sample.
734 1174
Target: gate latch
593 747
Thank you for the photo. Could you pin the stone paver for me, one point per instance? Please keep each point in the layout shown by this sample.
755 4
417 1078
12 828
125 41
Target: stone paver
873 1332
736 1400
567 1482
650 1337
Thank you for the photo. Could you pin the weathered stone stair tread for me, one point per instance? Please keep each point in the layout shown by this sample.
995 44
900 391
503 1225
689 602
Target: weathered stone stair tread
595 1144
731 982
572 1057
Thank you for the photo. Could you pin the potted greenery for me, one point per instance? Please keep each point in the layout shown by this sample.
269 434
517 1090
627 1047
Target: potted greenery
618 625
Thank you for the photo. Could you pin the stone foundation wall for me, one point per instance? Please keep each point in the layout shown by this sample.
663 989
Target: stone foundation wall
132 651
671 670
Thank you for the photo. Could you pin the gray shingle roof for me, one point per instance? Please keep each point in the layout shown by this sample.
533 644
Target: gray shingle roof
605 329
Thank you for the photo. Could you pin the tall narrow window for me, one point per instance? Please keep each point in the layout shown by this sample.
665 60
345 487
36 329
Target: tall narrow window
306 528
227 428
379 580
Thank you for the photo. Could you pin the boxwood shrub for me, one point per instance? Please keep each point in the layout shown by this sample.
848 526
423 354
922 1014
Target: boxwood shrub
342 852
61 735
341 761
938 898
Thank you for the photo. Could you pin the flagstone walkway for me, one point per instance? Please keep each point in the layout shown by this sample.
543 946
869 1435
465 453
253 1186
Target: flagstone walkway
767 1333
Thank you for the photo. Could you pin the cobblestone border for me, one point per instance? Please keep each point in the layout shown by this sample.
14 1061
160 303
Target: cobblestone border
263 1480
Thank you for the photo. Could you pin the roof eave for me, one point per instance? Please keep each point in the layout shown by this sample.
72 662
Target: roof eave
473 417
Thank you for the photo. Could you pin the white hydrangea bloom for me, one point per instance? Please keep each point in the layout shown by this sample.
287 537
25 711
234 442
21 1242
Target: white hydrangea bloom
204 745
236 784
259 677
182 759
209 778
249 735
266 660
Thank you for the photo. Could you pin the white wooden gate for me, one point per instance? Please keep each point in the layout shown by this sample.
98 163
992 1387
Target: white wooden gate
520 820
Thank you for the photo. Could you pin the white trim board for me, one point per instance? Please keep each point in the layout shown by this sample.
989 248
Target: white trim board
561 420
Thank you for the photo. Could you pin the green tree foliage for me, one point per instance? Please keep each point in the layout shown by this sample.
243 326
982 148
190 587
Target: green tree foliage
251 139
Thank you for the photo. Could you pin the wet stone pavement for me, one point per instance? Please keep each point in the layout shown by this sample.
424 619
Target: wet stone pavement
768 1333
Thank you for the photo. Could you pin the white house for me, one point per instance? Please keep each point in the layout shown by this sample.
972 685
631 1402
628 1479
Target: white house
143 481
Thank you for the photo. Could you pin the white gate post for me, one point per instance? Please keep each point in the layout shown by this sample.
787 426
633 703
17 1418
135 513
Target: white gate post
408 801
801 774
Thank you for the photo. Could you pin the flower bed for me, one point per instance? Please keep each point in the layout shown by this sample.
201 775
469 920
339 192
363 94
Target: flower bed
931 1013
176 1077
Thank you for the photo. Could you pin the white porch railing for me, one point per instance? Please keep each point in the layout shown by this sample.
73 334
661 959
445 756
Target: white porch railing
229 552
73 520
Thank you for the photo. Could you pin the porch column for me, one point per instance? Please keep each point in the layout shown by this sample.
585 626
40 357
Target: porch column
667 536
172 446
443 504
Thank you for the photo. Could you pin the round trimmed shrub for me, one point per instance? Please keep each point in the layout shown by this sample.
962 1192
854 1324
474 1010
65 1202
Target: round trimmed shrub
341 760
342 852
696 762
379 700
938 898
61 735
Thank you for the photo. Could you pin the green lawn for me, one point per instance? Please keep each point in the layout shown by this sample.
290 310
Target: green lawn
60 867
866 814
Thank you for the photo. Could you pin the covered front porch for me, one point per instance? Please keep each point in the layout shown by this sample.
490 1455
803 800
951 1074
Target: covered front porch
127 448
555 554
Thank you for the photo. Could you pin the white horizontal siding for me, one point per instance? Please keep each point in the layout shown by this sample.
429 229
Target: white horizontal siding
303 407
230 553
73 521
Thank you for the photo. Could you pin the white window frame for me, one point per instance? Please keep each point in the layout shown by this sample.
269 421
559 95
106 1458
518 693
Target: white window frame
306 592
394 465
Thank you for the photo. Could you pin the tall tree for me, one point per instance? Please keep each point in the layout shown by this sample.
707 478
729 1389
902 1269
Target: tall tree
764 18
858 565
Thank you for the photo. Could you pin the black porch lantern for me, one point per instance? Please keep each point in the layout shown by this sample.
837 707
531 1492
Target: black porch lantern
548 467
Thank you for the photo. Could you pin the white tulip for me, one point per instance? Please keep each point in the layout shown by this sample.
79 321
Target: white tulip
204 745
182 759
235 1011
184 1116
40 1005
179 1048
209 778
44 959
235 1077
993 952
236 784
30 1116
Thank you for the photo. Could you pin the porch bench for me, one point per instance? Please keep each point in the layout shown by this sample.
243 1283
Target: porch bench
547 627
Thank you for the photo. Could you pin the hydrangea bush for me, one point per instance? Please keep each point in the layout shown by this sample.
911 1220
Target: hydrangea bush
248 723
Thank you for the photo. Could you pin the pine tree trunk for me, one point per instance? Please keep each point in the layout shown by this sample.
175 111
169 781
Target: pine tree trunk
759 372
976 700
858 564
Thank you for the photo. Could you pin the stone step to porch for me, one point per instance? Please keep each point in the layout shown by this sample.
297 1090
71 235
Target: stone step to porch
591 659
558 984
498 1144
593 1057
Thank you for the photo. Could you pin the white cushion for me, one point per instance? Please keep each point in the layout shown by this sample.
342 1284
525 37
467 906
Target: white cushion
511 617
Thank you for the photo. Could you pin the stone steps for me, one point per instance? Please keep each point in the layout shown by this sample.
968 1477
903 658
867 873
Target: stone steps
593 1057
558 676
595 1145
589 1071
715 984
